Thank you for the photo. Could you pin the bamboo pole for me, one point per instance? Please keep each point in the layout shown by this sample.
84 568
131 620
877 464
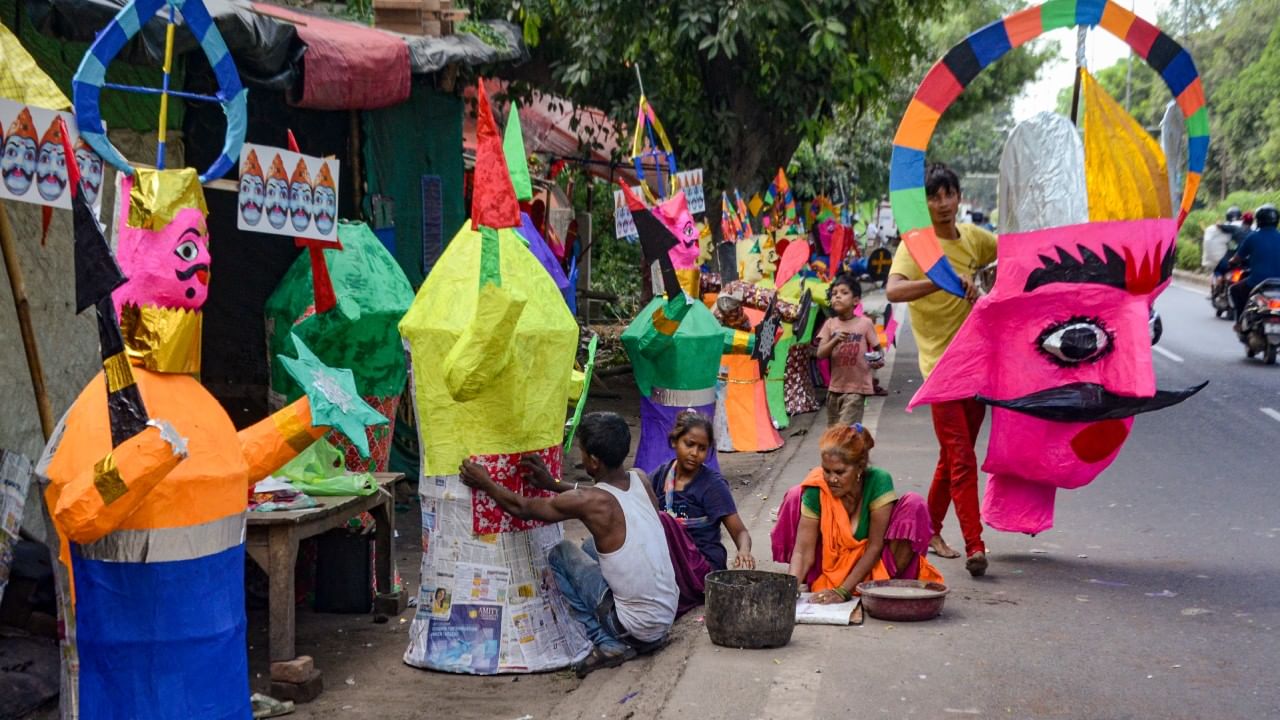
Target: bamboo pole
23 309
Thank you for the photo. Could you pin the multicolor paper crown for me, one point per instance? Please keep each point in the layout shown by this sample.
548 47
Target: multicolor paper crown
23 126
277 170
324 178
300 174
251 165
963 63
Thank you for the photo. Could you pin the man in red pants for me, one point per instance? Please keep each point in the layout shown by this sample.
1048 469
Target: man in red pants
935 318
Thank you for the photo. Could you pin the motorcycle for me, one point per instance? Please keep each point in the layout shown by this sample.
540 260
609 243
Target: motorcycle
1219 296
1260 321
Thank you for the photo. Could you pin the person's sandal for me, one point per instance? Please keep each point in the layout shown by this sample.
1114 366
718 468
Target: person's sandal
976 564
599 660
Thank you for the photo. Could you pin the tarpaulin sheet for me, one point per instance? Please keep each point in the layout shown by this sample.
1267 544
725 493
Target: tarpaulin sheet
547 122
394 166
264 49
431 54
346 66
273 53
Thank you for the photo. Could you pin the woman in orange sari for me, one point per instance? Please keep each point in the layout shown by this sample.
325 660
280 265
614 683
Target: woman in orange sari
854 524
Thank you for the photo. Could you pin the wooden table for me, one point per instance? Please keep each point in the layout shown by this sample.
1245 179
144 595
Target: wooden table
272 541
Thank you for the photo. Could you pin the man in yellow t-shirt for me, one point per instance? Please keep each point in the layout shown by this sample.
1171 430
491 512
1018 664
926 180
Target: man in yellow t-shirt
936 316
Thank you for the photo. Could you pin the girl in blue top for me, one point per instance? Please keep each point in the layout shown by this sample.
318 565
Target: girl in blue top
698 496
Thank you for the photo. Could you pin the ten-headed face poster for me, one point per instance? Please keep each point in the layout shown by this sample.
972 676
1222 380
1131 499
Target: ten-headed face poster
287 193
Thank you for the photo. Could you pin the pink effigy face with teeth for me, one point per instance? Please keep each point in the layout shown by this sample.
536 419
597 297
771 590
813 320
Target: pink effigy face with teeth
167 268
1061 350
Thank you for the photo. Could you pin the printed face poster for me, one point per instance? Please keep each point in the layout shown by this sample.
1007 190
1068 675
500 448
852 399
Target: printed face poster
624 225
690 181
468 642
33 163
286 193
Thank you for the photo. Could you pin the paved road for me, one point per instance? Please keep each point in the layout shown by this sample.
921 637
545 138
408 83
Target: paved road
1157 594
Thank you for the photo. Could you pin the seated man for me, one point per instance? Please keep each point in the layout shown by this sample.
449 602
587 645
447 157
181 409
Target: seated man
620 584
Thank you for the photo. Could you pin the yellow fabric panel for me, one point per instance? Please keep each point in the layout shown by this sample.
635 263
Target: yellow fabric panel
520 406
21 80
1124 167
485 347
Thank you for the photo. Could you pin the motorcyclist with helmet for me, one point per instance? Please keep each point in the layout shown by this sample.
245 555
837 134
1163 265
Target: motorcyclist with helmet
1259 254
1220 240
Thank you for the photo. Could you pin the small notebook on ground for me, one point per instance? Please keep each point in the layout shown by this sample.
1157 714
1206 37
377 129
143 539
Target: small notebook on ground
845 613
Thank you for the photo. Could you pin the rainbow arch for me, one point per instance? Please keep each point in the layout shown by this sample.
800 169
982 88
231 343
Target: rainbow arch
952 74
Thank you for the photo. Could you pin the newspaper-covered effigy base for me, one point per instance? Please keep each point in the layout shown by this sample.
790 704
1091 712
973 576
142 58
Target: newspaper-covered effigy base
487 604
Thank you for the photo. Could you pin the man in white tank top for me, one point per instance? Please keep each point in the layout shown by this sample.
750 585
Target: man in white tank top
620 584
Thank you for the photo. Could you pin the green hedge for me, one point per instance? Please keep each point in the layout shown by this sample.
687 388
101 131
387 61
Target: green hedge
1197 220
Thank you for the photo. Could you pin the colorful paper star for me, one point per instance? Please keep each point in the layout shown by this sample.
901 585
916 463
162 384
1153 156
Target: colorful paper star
334 399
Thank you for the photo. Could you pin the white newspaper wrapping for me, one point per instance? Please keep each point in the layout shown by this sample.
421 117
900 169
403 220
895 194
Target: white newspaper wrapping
15 477
507 571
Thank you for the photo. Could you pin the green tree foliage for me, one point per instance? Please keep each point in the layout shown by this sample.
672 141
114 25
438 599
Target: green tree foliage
856 148
1247 113
737 84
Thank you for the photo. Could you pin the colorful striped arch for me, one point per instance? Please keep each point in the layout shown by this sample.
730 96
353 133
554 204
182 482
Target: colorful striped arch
87 84
953 73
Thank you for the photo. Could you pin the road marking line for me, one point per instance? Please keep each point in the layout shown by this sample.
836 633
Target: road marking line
1172 356
1271 413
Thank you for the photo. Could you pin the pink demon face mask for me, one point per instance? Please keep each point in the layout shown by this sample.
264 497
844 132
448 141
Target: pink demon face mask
1061 350
166 268
674 214
826 231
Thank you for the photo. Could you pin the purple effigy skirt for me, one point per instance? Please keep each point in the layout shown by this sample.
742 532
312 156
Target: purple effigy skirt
656 421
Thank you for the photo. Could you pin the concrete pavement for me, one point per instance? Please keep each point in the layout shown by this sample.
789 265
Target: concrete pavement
1155 596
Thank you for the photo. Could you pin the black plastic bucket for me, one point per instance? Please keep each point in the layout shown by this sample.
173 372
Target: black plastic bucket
344 573
750 608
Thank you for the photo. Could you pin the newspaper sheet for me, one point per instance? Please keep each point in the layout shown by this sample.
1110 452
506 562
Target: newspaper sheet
487 603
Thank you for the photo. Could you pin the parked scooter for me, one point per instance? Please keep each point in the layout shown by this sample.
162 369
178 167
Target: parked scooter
1219 296
1260 322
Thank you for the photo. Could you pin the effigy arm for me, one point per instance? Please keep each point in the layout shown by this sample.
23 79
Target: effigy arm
97 500
269 444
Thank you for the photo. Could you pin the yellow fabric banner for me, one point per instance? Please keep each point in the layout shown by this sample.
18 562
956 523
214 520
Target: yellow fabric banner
1124 167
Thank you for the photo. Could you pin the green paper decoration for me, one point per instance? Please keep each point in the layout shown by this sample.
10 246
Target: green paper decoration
360 331
693 360
335 402
517 160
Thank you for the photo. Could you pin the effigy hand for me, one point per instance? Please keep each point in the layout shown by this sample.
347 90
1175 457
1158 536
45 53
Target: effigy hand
335 402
